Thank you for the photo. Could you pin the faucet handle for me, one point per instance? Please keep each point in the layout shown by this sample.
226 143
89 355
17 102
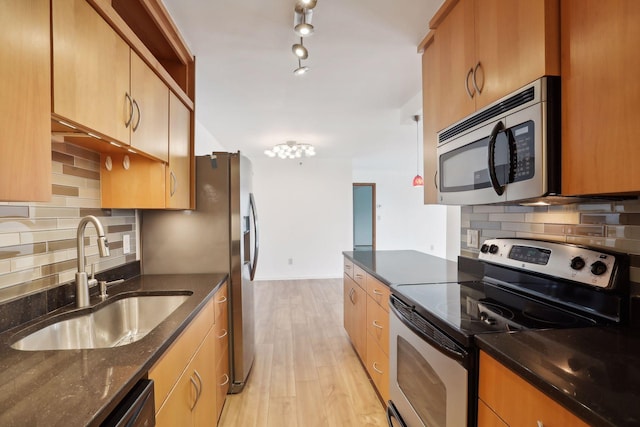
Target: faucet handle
92 281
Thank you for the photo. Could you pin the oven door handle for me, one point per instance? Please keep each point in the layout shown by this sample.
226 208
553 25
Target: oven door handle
392 412
456 353
499 189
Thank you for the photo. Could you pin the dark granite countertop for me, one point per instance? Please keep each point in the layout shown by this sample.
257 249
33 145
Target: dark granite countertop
406 267
593 372
81 387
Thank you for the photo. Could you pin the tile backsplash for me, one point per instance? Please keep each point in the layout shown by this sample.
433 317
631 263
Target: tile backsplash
611 225
38 240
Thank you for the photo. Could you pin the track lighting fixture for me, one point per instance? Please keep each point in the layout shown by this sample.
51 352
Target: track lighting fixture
302 15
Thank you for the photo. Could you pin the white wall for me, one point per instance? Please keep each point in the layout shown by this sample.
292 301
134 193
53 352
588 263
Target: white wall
304 212
404 221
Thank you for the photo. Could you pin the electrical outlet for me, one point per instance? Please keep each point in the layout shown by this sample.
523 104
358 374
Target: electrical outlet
472 238
126 244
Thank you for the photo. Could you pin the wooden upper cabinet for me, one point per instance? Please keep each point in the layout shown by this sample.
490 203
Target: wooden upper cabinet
430 109
25 108
490 48
600 93
90 70
150 119
178 179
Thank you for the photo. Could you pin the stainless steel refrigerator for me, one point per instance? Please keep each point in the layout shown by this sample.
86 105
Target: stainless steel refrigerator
221 235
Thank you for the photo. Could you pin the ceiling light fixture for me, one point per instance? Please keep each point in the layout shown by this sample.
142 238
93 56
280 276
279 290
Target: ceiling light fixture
417 180
302 15
299 50
291 150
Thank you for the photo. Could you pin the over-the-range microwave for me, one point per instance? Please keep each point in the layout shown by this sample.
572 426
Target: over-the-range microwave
507 152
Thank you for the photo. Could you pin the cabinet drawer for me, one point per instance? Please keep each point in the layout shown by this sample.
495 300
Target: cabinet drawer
378 368
378 291
360 276
348 267
378 324
221 304
173 362
516 401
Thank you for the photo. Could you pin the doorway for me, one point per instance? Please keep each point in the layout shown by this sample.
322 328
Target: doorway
364 216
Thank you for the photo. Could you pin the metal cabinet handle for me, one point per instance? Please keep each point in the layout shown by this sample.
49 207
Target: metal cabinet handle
135 104
195 386
377 325
435 180
128 98
466 84
359 276
174 183
475 82
200 388
226 380
224 334
375 368
540 423
351 296
222 300
377 292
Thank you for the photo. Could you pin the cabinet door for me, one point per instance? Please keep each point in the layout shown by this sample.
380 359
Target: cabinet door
355 315
516 401
25 108
133 182
150 124
378 367
205 375
488 418
378 324
516 42
600 92
90 70
456 58
431 100
178 180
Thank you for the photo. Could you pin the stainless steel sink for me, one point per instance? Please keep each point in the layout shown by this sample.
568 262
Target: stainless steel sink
121 322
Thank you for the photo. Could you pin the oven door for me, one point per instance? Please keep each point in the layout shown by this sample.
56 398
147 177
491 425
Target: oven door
427 387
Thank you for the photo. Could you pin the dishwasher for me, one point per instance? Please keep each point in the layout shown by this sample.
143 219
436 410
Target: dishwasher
137 409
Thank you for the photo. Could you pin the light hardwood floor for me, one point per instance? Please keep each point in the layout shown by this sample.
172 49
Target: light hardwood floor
305 371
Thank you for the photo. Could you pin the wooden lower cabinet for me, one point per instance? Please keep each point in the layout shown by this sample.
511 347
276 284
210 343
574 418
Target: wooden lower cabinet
377 362
188 388
488 418
515 401
355 315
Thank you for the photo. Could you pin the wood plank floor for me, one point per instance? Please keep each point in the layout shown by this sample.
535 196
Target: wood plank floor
306 372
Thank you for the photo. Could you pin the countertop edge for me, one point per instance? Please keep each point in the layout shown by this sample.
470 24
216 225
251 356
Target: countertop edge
546 387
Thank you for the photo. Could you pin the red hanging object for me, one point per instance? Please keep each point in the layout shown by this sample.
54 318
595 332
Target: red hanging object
418 181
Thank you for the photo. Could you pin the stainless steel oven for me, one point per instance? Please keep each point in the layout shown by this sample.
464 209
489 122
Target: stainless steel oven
526 284
508 151
428 375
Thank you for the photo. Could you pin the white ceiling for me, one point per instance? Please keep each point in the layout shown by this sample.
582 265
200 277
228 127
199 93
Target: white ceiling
358 99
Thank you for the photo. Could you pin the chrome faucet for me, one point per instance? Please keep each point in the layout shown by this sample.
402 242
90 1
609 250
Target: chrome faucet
82 280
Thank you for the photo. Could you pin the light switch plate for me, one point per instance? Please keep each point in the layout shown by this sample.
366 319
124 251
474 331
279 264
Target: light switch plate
472 238
126 244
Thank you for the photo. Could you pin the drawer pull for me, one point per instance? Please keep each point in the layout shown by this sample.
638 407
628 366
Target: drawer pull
195 386
223 335
199 388
359 276
377 292
375 368
377 325
540 423
226 380
222 300
351 295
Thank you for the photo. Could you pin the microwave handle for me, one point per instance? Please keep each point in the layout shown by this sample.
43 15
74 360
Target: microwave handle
499 189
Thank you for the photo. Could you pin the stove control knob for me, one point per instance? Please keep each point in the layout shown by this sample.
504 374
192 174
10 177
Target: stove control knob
484 248
577 263
598 268
493 249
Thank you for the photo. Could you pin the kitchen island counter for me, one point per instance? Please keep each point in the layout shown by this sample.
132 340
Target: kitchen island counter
81 387
396 267
594 372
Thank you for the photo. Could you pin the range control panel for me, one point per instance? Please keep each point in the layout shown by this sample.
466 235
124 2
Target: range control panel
561 260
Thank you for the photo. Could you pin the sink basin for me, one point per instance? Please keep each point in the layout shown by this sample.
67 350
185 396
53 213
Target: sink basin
121 322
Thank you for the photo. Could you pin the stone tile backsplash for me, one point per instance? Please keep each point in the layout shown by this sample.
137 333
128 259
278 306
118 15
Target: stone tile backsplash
38 240
611 225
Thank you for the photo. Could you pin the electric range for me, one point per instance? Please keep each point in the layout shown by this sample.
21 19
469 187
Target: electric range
527 284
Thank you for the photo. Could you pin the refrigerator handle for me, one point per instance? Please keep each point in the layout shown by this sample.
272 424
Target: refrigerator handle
254 214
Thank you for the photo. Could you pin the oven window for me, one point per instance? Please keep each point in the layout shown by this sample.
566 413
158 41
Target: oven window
422 386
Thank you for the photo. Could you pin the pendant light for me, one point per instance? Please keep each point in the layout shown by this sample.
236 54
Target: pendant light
417 180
